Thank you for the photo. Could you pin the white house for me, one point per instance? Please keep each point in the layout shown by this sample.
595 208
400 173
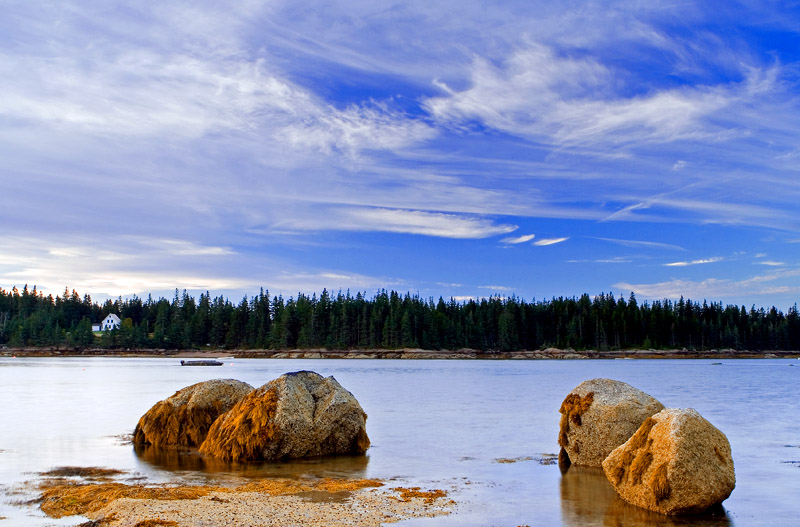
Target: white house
112 321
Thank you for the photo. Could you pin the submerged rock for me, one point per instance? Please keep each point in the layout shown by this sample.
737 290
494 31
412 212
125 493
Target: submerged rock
185 418
598 416
676 463
297 415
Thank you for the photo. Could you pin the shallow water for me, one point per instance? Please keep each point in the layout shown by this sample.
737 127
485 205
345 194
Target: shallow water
437 424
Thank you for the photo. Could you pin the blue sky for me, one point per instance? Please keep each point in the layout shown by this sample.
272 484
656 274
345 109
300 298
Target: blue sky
443 148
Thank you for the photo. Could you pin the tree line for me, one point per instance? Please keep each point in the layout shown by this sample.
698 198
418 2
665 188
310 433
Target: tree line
391 320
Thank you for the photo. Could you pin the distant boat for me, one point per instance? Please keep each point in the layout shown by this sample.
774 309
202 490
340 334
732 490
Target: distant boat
201 363
716 363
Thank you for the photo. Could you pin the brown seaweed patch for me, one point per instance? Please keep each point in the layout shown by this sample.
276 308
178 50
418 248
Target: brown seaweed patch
640 464
573 407
639 439
244 431
156 523
166 425
429 496
361 442
618 472
633 457
659 483
509 460
347 485
71 499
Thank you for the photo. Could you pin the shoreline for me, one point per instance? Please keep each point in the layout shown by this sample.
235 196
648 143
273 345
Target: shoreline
404 354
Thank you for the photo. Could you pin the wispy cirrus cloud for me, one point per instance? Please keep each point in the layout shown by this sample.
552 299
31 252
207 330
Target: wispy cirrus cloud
518 239
549 241
693 262
643 244
401 221
575 102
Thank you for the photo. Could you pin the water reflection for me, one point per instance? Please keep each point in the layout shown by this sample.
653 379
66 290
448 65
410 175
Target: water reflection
587 498
190 461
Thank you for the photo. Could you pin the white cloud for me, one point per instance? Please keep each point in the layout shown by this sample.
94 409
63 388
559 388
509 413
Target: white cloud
550 241
495 288
518 239
642 243
771 263
403 221
713 288
693 262
186 248
356 128
569 101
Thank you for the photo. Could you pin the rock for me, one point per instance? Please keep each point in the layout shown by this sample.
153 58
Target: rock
676 463
598 416
297 415
185 418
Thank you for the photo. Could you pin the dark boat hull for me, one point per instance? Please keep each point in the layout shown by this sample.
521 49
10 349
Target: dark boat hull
201 363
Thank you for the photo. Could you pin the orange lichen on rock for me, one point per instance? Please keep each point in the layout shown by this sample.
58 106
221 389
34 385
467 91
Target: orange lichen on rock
571 410
244 431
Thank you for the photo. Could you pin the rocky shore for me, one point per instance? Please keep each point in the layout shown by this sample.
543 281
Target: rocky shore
406 353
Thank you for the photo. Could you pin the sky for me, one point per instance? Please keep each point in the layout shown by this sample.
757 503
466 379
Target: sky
450 148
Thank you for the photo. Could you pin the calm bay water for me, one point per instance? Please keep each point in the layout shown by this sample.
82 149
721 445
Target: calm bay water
437 424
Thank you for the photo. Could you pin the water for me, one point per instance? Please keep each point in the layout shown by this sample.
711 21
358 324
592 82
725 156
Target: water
438 424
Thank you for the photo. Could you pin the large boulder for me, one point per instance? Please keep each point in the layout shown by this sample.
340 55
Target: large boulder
183 420
676 463
598 416
297 415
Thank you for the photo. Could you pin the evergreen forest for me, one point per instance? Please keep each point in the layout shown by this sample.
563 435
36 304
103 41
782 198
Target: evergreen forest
390 320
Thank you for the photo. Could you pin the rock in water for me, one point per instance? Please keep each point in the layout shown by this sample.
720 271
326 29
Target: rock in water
598 416
297 415
185 418
676 463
